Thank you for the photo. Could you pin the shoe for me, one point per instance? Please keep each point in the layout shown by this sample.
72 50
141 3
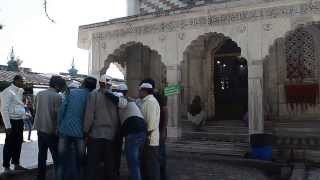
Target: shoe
7 170
19 168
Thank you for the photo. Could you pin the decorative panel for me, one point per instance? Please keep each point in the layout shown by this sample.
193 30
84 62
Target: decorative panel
300 55
149 6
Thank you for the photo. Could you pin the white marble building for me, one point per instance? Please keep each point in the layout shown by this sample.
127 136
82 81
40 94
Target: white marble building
184 41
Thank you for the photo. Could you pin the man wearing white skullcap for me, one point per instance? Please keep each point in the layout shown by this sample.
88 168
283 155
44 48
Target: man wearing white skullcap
105 82
101 126
151 112
133 129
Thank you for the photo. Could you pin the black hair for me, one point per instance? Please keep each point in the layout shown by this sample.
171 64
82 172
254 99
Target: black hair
17 78
62 84
53 81
57 82
162 100
90 83
28 89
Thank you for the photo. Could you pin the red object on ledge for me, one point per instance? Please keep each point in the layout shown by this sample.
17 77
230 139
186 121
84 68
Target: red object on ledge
302 94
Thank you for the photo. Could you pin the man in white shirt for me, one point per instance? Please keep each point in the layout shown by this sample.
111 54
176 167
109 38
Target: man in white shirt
151 112
13 112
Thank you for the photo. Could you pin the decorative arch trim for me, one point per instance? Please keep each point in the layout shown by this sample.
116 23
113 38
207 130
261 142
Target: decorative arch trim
118 53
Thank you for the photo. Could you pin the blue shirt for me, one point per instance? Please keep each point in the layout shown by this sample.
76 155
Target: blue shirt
72 113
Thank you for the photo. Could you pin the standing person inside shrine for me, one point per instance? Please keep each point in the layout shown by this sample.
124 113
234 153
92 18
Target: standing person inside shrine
13 112
47 104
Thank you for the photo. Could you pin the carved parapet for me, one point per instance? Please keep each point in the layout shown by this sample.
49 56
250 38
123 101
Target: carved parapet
204 21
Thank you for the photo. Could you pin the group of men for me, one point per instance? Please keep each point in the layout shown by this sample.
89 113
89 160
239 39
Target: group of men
84 129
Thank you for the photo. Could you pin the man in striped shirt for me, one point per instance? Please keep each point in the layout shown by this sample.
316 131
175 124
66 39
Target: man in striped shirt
71 131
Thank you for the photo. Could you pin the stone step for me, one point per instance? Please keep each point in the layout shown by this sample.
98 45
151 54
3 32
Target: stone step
227 126
222 131
209 147
296 125
216 130
216 136
216 126
220 123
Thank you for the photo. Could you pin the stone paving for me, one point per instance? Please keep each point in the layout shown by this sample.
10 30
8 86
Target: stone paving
208 170
313 174
29 151
178 169
185 170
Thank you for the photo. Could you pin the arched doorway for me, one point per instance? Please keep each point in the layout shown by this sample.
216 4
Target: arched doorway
231 82
213 69
138 62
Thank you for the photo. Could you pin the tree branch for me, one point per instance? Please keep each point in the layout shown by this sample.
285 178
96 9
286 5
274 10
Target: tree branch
46 12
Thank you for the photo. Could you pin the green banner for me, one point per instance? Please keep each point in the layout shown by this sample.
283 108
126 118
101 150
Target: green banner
172 90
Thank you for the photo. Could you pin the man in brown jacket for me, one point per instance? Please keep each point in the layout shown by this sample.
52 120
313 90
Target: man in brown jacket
47 104
100 126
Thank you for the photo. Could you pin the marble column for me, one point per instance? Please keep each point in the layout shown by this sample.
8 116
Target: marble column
256 114
256 122
173 103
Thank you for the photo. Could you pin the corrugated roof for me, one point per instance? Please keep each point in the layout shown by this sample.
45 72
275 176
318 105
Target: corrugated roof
29 77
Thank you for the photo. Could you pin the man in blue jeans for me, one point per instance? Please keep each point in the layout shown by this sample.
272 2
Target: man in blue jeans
71 132
133 128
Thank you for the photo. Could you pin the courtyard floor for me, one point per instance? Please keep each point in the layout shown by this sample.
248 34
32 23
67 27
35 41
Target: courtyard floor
178 169
29 152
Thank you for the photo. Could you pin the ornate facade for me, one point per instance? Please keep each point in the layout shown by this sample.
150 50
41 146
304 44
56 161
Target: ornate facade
273 42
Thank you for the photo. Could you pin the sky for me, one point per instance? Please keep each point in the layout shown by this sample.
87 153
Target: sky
48 47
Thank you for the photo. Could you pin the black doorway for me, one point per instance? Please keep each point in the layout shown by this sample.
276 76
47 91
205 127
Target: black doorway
231 82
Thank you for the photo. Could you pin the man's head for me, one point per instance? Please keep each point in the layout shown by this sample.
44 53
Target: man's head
89 83
105 82
58 83
145 89
123 88
150 81
18 81
109 82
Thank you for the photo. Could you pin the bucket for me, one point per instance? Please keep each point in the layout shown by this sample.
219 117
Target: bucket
261 146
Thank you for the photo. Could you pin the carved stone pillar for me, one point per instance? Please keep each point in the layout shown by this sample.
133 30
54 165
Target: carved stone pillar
208 86
174 131
256 121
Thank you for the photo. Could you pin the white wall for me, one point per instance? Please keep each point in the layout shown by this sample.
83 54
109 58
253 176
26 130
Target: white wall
133 7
